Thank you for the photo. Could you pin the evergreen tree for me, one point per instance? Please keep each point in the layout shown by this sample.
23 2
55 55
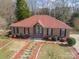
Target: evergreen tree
22 10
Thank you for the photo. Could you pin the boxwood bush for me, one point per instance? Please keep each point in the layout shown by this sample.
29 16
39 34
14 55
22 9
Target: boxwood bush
71 41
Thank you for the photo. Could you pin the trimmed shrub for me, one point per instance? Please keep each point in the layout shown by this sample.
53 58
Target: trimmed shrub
71 41
55 38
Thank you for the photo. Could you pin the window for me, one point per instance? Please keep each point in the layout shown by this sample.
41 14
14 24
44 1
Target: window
17 29
49 31
62 32
13 29
26 30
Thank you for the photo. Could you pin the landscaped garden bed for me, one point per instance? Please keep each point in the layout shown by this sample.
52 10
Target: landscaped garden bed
54 51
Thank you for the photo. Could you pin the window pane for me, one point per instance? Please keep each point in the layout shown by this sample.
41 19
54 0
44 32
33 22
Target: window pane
49 31
62 32
17 30
13 29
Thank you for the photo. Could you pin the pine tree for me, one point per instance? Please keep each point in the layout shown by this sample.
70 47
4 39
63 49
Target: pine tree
22 10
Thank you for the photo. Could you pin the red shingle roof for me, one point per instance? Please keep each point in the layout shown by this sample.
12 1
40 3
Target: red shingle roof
44 20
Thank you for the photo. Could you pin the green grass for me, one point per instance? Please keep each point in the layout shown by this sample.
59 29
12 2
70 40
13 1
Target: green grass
4 40
3 37
8 51
54 51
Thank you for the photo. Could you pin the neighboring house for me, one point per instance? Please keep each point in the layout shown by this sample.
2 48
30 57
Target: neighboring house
40 26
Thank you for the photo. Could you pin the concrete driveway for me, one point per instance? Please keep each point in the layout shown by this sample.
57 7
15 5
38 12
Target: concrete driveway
76 46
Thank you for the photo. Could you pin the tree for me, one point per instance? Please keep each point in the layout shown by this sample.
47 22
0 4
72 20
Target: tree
22 10
76 24
61 10
42 11
61 13
74 21
7 11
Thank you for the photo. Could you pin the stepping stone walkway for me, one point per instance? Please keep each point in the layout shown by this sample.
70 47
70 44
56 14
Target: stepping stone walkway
27 53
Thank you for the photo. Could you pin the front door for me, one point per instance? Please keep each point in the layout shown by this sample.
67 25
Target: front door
38 30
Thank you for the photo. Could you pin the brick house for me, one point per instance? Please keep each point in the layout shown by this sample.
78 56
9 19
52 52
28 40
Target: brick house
40 26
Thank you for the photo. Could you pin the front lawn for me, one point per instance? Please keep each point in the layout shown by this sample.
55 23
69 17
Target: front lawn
8 51
4 37
4 40
54 51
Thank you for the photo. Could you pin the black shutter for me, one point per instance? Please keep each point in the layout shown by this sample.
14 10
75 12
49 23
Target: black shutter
47 31
51 31
60 32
